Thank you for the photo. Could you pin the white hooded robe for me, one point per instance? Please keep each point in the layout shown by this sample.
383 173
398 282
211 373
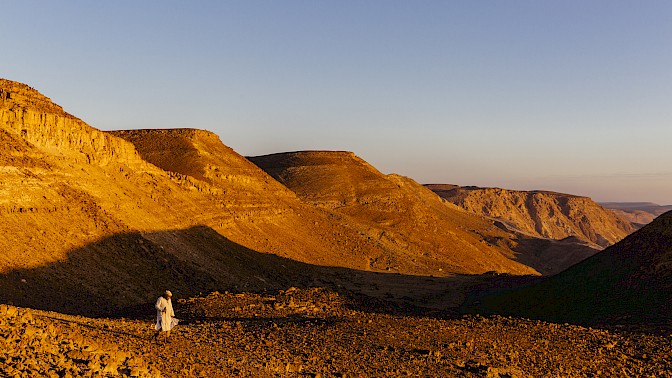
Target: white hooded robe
164 319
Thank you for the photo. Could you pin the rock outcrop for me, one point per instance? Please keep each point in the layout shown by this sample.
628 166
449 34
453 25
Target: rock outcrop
37 120
542 214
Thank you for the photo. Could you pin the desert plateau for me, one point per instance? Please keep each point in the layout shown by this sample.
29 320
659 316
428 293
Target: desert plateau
306 264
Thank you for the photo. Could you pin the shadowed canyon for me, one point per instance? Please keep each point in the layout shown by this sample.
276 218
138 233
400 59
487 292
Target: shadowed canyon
305 264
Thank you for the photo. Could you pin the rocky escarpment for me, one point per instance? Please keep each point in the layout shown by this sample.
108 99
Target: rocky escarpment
542 214
27 113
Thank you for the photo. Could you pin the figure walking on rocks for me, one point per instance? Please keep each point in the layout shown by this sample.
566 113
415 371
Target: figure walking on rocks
165 316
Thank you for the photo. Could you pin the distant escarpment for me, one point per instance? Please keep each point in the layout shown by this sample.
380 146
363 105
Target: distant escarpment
639 213
542 214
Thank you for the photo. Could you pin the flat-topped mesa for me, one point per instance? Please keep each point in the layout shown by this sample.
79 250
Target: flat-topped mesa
309 157
200 154
26 113
542 213
276 163
172 150
326 178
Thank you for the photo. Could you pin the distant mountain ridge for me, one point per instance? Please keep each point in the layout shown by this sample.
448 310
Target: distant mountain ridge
640 213
541 213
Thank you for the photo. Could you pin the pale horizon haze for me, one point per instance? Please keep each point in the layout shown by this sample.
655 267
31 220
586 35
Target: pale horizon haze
568 96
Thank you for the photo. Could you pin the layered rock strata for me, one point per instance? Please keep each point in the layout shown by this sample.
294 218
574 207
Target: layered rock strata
542 214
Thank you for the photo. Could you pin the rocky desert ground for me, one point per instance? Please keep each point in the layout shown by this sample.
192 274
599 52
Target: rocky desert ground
318 333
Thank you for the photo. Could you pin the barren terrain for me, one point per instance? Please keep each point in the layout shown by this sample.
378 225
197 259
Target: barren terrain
305 264
543 214
318 333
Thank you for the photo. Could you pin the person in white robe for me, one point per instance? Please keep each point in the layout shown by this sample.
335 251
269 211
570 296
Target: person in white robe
165 316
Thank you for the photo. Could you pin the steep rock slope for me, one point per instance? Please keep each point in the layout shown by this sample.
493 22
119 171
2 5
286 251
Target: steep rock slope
37 120
88 225
410 222
629 282
257 204
542 214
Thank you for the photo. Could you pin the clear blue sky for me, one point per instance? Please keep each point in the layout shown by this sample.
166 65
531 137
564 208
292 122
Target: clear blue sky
571 96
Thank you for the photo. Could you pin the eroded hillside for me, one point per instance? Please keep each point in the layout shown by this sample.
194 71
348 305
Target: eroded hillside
542 214
397 213
90 226
93 222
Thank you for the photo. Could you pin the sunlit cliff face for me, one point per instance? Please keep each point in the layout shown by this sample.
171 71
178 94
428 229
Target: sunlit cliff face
544 214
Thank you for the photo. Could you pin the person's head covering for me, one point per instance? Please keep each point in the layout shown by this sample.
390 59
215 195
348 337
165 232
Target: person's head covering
168 293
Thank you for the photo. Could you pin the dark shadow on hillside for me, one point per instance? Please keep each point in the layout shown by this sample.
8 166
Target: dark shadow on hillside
528 297
547 256
626 286
122 275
